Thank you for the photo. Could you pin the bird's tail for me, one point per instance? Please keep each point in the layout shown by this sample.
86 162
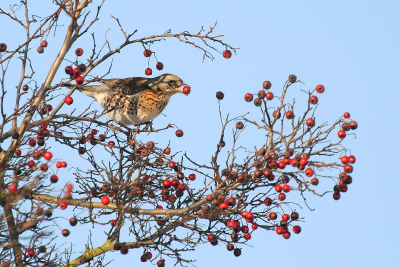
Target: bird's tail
90 90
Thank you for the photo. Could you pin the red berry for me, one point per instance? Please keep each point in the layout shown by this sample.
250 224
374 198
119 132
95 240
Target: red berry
113 223
247 236
65 232
31 253
31 163
320 88
105 200
279 230
282 196
166 183
63 205
73 221
346 115
352 159
344 159
76 72
219 95
278 188
303 161
40 49
12 188
149 255
48 155
192 177
79 52
63 164
309 172
248 97
43 43
54 178
17 152
314 181
286 188
296 229
237 252
179 133
268 201
276 114
285 217
79 80
269 96
68 100
161 263
167 151
186 90
124 250
147 53
44 167
111 143
353 125
310 122
290 115
25 88
342 134
348 168
148 71
292 78
69 70
336 196
313 100
267 85
159 66
227 54
273 215
286 234
3 47
223 205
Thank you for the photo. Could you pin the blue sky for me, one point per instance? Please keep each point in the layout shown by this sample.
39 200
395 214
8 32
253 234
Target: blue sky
352 47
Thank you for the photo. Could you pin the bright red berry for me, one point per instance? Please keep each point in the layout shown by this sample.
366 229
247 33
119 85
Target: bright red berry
342 134
320 88
310 122
63 205
148 71
313 100
309 172
79 80
227 54
269 96
105 200
43 43
147 53
186 90
248 97
68 100
79 52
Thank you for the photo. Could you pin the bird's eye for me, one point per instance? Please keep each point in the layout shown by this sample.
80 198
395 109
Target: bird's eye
172 82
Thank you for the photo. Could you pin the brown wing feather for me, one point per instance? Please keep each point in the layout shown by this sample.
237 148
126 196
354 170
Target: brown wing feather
128 86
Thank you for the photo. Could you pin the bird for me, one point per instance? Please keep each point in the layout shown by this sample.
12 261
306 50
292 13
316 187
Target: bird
134 100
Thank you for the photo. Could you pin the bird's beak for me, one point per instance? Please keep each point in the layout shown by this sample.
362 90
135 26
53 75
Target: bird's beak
177 87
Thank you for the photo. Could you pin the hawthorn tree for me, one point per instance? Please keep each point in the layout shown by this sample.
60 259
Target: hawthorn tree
142 194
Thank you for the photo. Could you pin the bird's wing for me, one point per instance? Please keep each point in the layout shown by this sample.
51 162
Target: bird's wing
127 86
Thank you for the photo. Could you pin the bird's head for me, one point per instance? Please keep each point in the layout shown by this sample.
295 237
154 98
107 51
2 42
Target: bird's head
168 83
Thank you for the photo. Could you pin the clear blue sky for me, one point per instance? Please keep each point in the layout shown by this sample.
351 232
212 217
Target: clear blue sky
352 47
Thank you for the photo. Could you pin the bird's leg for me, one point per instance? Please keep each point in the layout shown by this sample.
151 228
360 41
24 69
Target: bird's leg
149 126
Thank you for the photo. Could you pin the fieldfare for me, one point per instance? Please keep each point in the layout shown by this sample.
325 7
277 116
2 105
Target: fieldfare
135 100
